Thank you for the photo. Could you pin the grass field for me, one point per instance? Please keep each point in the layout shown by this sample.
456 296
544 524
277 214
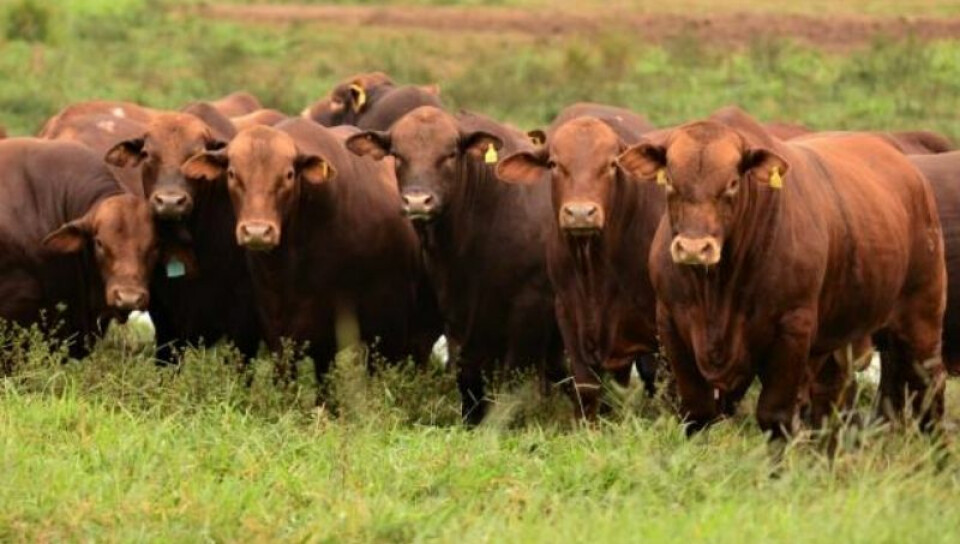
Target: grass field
114 449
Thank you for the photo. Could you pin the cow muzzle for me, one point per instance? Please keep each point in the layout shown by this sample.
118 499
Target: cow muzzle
419 205
704 251
169 204
129 299
581 218
258 235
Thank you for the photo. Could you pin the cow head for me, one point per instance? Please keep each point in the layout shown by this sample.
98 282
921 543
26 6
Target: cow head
170 139
348 99
264 172
708 171
429 150
124 241
581 160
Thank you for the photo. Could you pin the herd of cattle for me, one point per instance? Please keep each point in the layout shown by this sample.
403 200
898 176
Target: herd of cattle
738 250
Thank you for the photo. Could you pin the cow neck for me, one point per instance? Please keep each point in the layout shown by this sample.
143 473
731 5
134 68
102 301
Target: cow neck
727 292
460 226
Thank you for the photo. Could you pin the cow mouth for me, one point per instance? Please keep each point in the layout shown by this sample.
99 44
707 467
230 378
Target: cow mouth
259 246
582 232
419 216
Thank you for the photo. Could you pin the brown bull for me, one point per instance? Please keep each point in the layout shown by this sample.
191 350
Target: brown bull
69 234
326 244
370 101
774 255
483 242
602 221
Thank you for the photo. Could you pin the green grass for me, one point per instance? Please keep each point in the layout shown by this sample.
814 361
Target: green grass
114 449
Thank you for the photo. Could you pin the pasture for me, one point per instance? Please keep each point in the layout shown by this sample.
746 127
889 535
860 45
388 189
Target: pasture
114 449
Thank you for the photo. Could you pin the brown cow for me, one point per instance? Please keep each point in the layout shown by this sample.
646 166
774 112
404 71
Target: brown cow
773 255
260 117
326 244
910 142
370 101
236 104
602 220
205 293
483 243
121 110
943 173
69 234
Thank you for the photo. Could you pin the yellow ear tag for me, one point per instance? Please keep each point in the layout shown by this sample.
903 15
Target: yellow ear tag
661 177
776 182
325 168
361 97
491 156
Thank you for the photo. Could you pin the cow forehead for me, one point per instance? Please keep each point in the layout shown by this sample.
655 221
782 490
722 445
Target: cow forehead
584 139
261 145
176 128
699 153
425 128
125 217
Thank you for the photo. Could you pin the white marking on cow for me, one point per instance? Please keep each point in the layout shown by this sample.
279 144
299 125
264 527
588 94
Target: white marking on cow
107 126
118 112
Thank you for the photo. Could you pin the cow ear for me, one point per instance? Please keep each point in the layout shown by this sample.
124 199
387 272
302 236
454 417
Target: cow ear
481 145
358 97
523 168
208 165
126 153
373 143
764 166
314 169
537 137
69 238
643 161
431 89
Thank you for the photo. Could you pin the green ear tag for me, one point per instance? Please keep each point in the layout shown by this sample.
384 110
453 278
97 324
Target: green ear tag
491 156
176 268
776 182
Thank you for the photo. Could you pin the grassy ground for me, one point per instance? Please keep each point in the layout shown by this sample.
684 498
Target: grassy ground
114 449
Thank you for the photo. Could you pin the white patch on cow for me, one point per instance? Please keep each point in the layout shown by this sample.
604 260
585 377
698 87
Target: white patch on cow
107 126
441 351
118 112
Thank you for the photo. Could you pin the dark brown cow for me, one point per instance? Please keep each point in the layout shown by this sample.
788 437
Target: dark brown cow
260 117
326 244
205 292
774 255
602 220
370 101
943 173
483 242
69 234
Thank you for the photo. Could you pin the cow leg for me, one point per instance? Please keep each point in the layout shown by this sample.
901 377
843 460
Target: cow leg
783 375
165 338
833 388
648 365
586 390
697 405
473 400
904 378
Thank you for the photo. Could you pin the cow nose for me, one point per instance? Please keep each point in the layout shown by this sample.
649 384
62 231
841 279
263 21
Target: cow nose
258 235
419 205
171 204
704 251
129 299
581 218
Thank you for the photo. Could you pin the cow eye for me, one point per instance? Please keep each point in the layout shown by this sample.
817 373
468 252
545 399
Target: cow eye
289 174
551 164
98 244
231 174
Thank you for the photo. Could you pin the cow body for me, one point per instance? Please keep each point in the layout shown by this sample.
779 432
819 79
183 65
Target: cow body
483 244
761 272
601 227
943 173
323 253
70 235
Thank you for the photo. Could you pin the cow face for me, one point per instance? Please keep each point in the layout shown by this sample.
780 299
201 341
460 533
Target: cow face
264 171
120 229
171 139
581 160
429 150
708 172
